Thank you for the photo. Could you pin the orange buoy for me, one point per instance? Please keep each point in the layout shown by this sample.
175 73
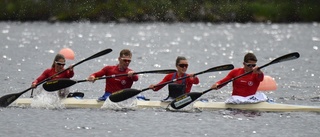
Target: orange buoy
268 84
67 53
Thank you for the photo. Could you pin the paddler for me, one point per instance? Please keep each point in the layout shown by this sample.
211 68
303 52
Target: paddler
245 88
118 83
57 66
181 86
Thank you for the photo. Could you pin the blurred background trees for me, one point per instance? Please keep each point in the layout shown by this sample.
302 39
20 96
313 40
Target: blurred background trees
161 10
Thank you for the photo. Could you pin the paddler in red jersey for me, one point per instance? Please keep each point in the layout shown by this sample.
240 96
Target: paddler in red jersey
245 88
181 86
57 66
118 83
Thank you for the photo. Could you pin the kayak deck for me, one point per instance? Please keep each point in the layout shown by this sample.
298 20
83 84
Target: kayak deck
68 103
262 106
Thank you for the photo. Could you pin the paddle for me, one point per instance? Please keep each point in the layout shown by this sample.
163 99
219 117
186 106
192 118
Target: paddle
58 84
128 93
186 99
8 99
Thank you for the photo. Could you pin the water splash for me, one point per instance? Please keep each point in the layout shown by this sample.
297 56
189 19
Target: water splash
47 100
125 105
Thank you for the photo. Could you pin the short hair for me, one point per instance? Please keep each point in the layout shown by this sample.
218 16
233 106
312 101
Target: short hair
57 58
180 58
249 57
125 52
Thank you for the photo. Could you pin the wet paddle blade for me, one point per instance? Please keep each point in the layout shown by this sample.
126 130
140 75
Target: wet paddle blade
101 53
124 94
286 57
6 100
220 68
185 100
54 85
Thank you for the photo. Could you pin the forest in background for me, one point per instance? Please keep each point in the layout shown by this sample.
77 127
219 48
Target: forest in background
280 11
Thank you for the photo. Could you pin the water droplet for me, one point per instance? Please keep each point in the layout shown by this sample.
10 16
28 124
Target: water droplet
315 39
5 31
315 47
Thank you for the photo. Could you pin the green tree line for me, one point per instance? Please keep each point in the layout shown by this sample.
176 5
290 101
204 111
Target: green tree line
161 10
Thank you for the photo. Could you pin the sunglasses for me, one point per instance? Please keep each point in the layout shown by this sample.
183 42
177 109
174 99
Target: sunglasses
126 60
183 65
250 65
60 63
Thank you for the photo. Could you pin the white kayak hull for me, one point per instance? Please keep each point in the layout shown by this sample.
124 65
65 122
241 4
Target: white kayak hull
68 103
262 106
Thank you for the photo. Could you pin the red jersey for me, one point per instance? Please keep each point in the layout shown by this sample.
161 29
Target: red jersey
50 72
117 83
189 81
243 86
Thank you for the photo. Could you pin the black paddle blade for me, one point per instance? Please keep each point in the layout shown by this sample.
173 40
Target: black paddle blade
164 71
123 94
222 68
218 68
287 57
6 100
185 100
101 53
54 85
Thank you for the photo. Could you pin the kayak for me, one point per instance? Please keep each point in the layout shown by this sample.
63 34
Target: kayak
262 106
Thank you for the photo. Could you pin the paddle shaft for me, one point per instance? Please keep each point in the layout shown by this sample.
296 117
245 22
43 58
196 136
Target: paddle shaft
31 95
58 84
174 80
63 83
165 71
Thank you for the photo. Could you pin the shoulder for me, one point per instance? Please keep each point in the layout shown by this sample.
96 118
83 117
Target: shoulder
169 75
237 70
109 67
129 69
49 70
